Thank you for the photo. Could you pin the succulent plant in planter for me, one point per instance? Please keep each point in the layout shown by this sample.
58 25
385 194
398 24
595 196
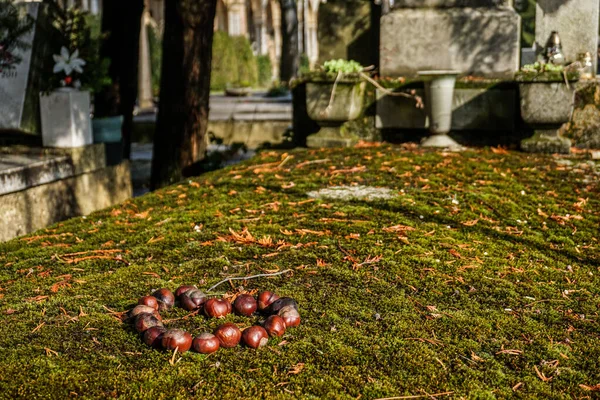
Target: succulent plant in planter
334 95
547 94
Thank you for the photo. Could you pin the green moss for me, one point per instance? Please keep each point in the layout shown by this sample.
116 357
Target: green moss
499 277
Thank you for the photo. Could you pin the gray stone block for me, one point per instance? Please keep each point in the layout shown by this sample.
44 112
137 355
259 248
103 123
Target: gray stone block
35 208
448 3
475 41
547 103
576 22
472 109
546 141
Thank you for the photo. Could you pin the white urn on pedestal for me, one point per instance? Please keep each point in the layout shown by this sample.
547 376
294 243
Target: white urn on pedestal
439 93
65 115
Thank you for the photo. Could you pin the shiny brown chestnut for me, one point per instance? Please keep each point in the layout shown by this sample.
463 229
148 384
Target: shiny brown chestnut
277 305
192 299
165 298
255 337
176 339
153 336
149 301
142 309
265 299
290 316
229 335
275 326
143 322
206 343
217 308
245 305
184 288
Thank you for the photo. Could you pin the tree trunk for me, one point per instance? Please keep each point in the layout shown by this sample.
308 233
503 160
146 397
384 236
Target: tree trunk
180 138
121 22
290 56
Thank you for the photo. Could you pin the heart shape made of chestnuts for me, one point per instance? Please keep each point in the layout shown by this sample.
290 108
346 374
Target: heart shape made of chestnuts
281 314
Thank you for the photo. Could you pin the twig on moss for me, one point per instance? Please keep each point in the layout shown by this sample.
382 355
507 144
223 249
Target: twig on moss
248 277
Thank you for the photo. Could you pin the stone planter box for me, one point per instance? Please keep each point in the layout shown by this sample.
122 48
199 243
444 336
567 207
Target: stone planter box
347 105
65 116
545 106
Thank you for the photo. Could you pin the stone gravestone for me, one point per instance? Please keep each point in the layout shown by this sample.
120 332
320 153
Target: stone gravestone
576 22
20 86
477 37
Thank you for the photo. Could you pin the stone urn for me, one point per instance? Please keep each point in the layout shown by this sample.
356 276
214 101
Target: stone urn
65 116
439 94
330 108
545 107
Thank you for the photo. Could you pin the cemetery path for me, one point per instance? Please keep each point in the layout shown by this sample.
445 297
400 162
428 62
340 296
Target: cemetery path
470 274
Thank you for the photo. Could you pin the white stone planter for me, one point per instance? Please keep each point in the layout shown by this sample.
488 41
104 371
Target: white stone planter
65 115
439 94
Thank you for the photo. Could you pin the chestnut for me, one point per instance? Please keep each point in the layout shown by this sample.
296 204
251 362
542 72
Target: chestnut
290 316
206 343
149 301
265 298
277 305
153 336
176 339
217 308
275 326
229 335
143 322
165 298
245 305
255 337
184 288
142 309
192 299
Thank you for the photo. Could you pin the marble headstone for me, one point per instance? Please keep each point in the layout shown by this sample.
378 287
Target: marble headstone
483 40
576 22
20 86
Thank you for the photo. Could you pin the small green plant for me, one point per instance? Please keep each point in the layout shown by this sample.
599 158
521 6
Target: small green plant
342 66
546 72
542 67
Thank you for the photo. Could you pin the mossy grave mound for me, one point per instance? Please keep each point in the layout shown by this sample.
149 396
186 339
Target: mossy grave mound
479 279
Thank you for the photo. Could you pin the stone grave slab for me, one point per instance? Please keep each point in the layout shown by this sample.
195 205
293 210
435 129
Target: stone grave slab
476 41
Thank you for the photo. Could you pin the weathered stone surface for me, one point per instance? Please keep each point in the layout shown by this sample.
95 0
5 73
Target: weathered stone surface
472 109
331 136
23 167
448 3
546 103
576 22
360 192
476 41
546 141
339 103
332 112
35 208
